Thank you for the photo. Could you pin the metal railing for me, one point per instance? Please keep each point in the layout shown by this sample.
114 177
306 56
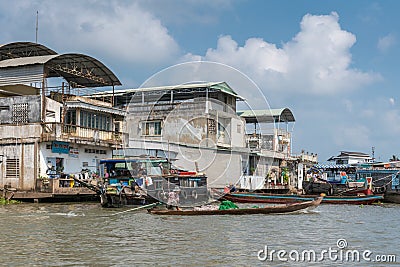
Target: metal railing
58 130
269 142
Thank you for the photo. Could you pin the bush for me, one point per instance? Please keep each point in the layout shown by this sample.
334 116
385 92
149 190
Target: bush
4 201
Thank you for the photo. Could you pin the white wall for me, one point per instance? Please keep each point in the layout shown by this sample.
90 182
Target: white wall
73 163
53 106
238 138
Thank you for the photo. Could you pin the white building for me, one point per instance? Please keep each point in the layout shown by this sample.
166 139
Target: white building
346 157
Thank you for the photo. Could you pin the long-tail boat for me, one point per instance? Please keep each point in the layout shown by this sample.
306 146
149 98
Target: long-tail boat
276 209
271 198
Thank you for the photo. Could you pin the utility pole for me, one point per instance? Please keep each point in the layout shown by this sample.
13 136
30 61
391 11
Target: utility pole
373 153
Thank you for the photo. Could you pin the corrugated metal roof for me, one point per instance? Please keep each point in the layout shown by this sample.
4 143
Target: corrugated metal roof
220 86
23 61
26 74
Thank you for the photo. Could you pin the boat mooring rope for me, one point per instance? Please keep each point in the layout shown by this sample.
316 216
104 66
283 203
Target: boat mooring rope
138 208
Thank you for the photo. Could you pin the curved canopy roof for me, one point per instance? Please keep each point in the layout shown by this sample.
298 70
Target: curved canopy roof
81 70
78 69
24 49
267 115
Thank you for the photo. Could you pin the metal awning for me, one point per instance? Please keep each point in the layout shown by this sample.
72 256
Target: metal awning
88 106
267 115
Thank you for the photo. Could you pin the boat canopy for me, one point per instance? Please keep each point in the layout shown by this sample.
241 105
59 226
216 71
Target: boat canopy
333 166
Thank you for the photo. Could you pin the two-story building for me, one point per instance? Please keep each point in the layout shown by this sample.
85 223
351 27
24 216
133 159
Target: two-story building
199 126
48 129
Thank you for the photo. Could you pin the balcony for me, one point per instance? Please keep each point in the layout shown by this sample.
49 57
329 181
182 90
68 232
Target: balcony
277 142
60 132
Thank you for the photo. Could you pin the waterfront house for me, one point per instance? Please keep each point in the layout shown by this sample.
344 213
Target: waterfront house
199 126
48 129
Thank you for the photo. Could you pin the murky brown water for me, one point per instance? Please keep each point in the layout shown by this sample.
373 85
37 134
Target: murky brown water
88 235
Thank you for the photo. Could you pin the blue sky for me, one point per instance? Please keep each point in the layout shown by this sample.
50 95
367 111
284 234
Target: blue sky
333 63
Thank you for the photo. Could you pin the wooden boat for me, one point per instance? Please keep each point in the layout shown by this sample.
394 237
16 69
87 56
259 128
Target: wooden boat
142 180
269 198
291 207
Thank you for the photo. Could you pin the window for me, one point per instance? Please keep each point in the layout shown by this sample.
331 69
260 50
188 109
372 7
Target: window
239 128
70 118
95 151
50 114
95 120
20 113
151 128
211 126
12 168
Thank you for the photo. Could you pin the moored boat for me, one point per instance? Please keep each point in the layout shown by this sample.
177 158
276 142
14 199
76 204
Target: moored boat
144 180
270 198
278 209
384 181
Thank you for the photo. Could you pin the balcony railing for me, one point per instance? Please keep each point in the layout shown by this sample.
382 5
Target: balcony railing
52 131
269 142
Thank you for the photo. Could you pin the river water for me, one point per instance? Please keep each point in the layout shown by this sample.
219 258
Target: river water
84 234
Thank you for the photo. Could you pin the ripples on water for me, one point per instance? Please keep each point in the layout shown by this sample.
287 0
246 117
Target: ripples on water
87 235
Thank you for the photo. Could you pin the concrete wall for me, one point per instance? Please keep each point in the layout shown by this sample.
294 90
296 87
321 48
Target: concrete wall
33 101
222 167
26 131
187 123
27 156
238 135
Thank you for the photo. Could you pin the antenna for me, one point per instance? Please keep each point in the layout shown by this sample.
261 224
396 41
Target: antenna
37 24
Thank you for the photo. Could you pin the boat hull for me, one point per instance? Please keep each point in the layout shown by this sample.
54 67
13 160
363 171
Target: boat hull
393 197
264 198
291 207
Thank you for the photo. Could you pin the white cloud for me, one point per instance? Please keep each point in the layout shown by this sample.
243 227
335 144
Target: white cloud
317 60
386 42
122 31
391 101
